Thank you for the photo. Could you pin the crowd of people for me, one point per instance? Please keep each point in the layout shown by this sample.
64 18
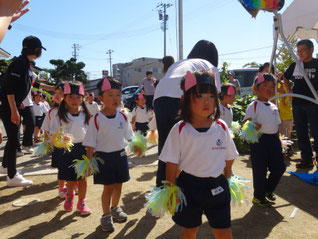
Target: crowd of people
192 112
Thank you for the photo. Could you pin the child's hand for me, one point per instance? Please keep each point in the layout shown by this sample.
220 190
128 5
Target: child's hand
258 126
138 151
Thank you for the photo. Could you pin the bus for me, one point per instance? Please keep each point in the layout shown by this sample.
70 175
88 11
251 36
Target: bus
245 77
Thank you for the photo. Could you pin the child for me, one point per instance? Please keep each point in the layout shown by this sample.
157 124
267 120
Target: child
201 146
39 111
105 136
74 116
46 126
227 97
285 112
141 115
92 106
267 153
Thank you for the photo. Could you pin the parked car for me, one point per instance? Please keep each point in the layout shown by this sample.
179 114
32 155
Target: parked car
129 99
245 77
128 91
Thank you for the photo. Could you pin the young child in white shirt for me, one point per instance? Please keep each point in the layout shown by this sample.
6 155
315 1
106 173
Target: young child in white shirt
141 115
105 139
74 116
201 146
92 106
39 113
227 97
267 154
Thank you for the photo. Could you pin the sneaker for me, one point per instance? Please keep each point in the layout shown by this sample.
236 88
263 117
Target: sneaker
83 208
18 181
20 153
107 224
69 202
62 192
304 164
262 203
118 214
28 149
3 170
270 196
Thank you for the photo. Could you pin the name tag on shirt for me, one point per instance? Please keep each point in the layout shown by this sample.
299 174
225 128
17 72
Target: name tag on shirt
217 190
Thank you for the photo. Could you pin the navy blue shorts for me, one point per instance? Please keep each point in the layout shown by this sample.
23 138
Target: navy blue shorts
66 172
57 155
142 127
114 170
38 121
208 195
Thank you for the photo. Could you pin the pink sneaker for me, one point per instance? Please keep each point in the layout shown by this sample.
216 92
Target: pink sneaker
69 202
83 208
62 192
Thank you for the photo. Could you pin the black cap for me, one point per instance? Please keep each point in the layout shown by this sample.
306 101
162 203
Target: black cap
32 42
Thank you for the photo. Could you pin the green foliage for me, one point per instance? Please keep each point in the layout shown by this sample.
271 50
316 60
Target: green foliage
239 108
252 65
3 67
224 72
67 71
285 58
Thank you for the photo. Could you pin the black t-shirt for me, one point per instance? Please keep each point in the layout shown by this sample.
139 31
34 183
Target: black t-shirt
300 84
17 81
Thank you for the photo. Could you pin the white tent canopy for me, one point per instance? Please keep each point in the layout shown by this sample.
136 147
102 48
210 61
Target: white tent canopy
301 19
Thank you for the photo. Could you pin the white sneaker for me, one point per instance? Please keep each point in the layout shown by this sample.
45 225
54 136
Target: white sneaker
28 149
3 170
20 153
18 181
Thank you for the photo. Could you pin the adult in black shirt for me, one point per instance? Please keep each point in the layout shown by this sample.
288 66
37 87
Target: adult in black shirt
15 87
304 111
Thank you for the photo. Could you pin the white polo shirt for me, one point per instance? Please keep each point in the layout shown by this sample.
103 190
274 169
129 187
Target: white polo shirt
92 108
47 123
39 109
169 85
108 134
200 154
142 115
264 113
226 114
76 126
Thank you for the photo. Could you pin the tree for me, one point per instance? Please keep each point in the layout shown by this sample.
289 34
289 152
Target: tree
68 71
285 58
224 72
3 67
252 65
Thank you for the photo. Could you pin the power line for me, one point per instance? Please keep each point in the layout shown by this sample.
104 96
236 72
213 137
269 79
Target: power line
75 50
163 16
238 52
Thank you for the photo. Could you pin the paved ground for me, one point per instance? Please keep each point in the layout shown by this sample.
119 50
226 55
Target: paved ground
44 216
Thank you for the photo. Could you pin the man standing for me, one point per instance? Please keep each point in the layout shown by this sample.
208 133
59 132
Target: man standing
235 82
14 89
149 88
304 111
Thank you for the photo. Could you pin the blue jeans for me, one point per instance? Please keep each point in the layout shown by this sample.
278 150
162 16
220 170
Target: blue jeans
304 114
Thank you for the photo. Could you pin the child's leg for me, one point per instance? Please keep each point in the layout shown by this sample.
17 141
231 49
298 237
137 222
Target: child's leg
106 198
36 132
116 194
61 183
82 187
189 233
70 186
222 233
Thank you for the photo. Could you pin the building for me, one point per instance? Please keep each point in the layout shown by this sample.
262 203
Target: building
132 73
4 53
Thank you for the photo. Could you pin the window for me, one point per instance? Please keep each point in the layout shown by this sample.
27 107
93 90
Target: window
137 69
156 70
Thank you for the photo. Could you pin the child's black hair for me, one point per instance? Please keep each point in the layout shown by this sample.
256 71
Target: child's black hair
185 112
62 112
224 88
205 50
267 77
115 84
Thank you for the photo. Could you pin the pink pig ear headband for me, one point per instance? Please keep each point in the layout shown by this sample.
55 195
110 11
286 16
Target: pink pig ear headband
230 90
191 80
75 89
107 85
264 77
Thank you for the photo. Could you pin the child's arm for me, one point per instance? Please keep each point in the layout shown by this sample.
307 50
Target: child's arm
257 126
228 168
133 120
89 152
171 172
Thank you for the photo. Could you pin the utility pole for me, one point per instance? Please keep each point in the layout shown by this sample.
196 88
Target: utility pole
180 20
164 17
75 50
109 52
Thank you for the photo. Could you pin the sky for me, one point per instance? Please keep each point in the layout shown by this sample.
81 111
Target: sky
132 30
